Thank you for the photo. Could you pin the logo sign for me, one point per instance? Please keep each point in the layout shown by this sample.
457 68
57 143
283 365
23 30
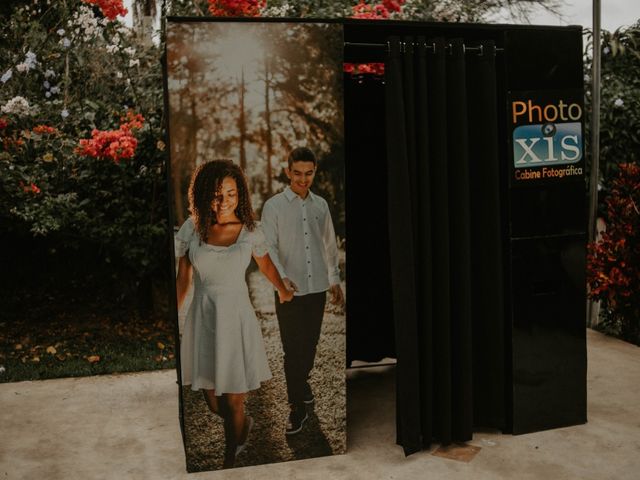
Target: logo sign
547 137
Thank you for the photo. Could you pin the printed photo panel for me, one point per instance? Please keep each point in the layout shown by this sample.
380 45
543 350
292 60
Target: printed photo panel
257 202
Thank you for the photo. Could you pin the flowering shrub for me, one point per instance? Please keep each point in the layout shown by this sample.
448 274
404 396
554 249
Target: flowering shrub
614 263
75 176
236 8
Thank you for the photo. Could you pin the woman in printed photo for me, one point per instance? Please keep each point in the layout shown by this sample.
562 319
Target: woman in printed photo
222 350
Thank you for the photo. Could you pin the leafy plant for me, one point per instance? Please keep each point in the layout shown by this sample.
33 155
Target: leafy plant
620 99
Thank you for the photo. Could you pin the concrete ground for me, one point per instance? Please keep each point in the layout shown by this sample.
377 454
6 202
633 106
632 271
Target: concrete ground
126 427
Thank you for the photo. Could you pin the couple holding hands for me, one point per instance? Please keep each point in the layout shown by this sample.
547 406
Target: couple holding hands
222 350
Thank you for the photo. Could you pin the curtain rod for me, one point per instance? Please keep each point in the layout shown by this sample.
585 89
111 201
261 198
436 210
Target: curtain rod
431 47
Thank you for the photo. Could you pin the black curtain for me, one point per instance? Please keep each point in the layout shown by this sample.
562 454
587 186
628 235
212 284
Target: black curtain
444 239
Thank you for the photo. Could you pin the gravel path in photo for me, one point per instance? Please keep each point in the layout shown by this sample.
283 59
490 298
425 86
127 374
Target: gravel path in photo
324 433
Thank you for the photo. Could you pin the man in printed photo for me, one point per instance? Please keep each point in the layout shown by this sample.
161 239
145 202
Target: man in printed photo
302 244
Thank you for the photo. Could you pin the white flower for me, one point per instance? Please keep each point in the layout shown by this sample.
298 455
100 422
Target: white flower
49 73
18 106
134 63
6 76
143 169
619 102
55 89
30 61
605 50
2 369
281 11
85 22
118 74
130 51
47 94
22 67
116 39
66 43
61 32
46 84
64 113
112 48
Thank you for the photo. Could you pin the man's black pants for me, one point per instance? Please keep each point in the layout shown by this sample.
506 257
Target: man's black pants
300 321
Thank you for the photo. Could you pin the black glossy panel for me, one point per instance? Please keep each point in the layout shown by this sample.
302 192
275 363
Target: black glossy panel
548 210
549 349
544 59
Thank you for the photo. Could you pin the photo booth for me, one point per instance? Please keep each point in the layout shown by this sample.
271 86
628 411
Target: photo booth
466 222
484 269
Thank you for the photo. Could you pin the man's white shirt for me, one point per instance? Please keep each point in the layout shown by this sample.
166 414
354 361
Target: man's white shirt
301 240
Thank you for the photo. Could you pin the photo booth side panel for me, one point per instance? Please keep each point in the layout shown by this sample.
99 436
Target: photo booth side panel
255 214
547 226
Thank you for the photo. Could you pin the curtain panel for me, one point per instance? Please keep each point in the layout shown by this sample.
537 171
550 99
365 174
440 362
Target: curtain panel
444 239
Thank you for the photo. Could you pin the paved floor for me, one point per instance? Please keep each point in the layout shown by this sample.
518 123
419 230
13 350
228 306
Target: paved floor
126 427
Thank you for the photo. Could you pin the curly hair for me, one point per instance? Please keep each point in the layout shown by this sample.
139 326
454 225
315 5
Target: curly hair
205 185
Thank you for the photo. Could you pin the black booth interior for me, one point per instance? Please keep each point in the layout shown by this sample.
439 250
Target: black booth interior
518 361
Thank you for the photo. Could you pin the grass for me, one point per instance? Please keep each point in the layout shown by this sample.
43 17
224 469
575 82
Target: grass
116 356
81 338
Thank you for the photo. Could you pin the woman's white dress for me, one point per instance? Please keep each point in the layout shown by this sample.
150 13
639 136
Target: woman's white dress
222 346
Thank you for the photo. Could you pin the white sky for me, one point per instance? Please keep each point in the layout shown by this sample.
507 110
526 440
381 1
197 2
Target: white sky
615 13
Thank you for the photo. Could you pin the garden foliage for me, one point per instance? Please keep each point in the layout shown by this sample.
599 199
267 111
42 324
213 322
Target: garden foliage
614 264
81 151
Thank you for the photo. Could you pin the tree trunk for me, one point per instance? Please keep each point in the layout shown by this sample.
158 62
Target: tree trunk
242 125
267 118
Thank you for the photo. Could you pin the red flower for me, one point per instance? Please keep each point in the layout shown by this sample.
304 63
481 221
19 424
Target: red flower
114 145
393 6
370 12
45 130
132 121
33 188
364 68
109 8
3 123
236 8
